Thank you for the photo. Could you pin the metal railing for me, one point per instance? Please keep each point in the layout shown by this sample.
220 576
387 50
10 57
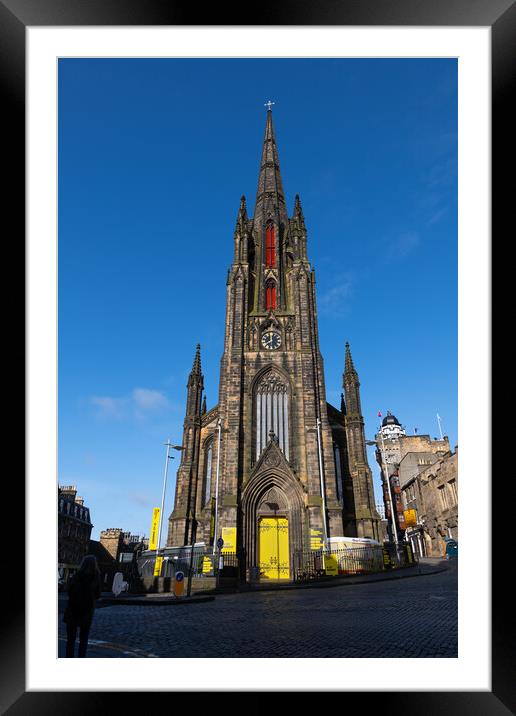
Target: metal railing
307 565
204 563
318 564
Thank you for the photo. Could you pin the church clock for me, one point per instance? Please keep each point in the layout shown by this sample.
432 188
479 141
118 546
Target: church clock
271 340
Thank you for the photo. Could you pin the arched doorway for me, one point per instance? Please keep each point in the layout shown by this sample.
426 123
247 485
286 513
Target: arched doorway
273 536
274 517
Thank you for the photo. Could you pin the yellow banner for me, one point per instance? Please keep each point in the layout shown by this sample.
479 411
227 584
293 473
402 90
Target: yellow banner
153 539
207 565
157 566
331 565
316 542
229 537
410 518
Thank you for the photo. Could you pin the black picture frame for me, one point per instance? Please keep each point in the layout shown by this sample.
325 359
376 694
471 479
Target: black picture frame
500 16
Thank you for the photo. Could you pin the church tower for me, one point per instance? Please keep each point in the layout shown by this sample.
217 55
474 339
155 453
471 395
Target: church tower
272 467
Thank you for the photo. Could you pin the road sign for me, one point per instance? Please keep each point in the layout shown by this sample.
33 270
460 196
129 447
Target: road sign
179 584
220 543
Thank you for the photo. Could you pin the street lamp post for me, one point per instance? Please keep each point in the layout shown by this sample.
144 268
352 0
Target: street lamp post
168 457
215 526
384 464
321 476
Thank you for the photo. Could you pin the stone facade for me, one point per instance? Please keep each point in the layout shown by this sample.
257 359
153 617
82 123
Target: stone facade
400 457
74 530
117 551
272 445
437 485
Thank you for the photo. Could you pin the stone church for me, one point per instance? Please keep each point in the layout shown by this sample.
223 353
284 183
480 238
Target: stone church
273 468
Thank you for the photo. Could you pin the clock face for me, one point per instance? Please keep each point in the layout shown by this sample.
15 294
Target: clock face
271 340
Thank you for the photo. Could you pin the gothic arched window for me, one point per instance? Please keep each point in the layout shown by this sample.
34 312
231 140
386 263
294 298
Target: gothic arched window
270 295
271 412
270 246
208 455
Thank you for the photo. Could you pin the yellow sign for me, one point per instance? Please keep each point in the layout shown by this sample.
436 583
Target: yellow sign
153 539
229 537
316 542
410 518
157 566
331 565
207 565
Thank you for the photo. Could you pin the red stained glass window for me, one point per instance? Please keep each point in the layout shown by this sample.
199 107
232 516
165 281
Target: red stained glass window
270 246
270 296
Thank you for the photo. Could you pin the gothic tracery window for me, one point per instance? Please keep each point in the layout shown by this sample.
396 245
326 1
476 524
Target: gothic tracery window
207 473
272 412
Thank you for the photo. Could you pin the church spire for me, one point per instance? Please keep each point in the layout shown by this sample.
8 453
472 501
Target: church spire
196 369
195 385
269 195
298 212
349 367
351 384
242 214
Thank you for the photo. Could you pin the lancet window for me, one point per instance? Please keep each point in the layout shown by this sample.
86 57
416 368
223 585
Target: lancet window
338 471
270 246
270 295
208 455
272 412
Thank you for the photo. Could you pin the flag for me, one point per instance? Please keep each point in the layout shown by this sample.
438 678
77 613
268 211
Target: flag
415 430
379 414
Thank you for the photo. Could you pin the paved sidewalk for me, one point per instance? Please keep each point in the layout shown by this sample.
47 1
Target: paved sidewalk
426 566
104 650
401 617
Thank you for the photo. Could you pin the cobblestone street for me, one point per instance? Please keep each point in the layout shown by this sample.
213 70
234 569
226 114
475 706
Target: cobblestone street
413 617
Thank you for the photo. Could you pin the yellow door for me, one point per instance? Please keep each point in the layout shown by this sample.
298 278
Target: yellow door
273 554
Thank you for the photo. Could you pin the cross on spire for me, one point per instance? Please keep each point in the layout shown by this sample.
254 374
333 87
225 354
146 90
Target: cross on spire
269 105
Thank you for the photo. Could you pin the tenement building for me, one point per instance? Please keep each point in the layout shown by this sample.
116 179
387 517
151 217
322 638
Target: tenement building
404 462
74 530
430 488
272 468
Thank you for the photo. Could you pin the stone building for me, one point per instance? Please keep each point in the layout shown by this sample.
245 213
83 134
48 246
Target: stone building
406 458
74 530
273 468
430 487
400 456
117 551
388 456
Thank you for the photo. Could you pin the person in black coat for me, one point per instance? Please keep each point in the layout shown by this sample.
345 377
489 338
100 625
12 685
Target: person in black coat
83 591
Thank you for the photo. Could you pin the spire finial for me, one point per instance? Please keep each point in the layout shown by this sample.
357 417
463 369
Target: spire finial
197 360
349 360
269 105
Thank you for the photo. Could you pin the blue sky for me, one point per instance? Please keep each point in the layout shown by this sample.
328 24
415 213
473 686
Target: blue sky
154 155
